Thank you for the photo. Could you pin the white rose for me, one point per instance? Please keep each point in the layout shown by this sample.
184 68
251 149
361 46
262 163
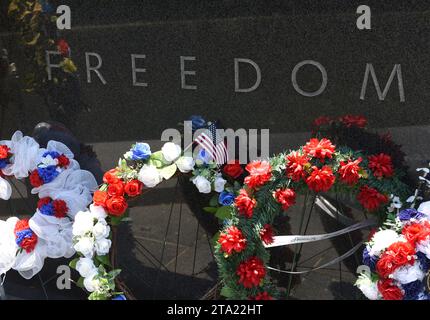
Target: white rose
149 176
171 151
202 184
185 164
103 246
101 229
425 208
219 184
98 212
85 246
368 287
91 283
84 222
382 240
85 267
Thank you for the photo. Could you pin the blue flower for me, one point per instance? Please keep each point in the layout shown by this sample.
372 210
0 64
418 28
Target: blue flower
369 260
226 198
48 174
197 122
204 156
3 163
413 290
46 6
53 154
23 234
140 151
408 214
47 209
119 297
424 262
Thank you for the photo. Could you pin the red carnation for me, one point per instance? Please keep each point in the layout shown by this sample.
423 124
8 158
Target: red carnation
354 121
116 206
381 165
133 188
320 149
27 243
111 177
63 161
35 179
395 256
60 208
232 239
100 198
4 151
296 165
63 47
259 173
389 291
321 179
262 296
349 172
370 198
320 121
245 204
115 189
266 234
43 201
416 232
286 197
385 265
251 272
233 169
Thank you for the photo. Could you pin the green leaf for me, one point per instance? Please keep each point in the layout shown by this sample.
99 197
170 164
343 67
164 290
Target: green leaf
72 264
115 220
115 273
168 172
213 202
158 156
80 283
210 209
156 163
104 259
223 213
227 292
215 238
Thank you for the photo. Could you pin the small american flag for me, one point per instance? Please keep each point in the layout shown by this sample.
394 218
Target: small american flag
214 144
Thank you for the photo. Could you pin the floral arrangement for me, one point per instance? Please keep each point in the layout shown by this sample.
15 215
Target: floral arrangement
270 189
397 256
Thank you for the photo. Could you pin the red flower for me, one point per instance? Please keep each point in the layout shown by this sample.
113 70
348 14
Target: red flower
286 197
354 121
29 241
110 177
35 179
349 171
232 239
321 179
262 296
100 198
266 234
396 255
251 272
4 151
233 169
43 201
296 165
116 206
385 265
320 149
381 165
60 208
63 161
259 173
416 232
370 198
245 204
115 189
63 47
320 121
389 291
133 188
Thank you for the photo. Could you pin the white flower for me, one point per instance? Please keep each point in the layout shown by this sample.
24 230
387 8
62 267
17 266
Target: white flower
103 246
85 246
171 151
219 184
425 208
149 176
368 287
185 164
408 273
91 283
49 161
85 267
101 229
382 240
395 203
84 222
202 184
424 247
128 155
98 212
